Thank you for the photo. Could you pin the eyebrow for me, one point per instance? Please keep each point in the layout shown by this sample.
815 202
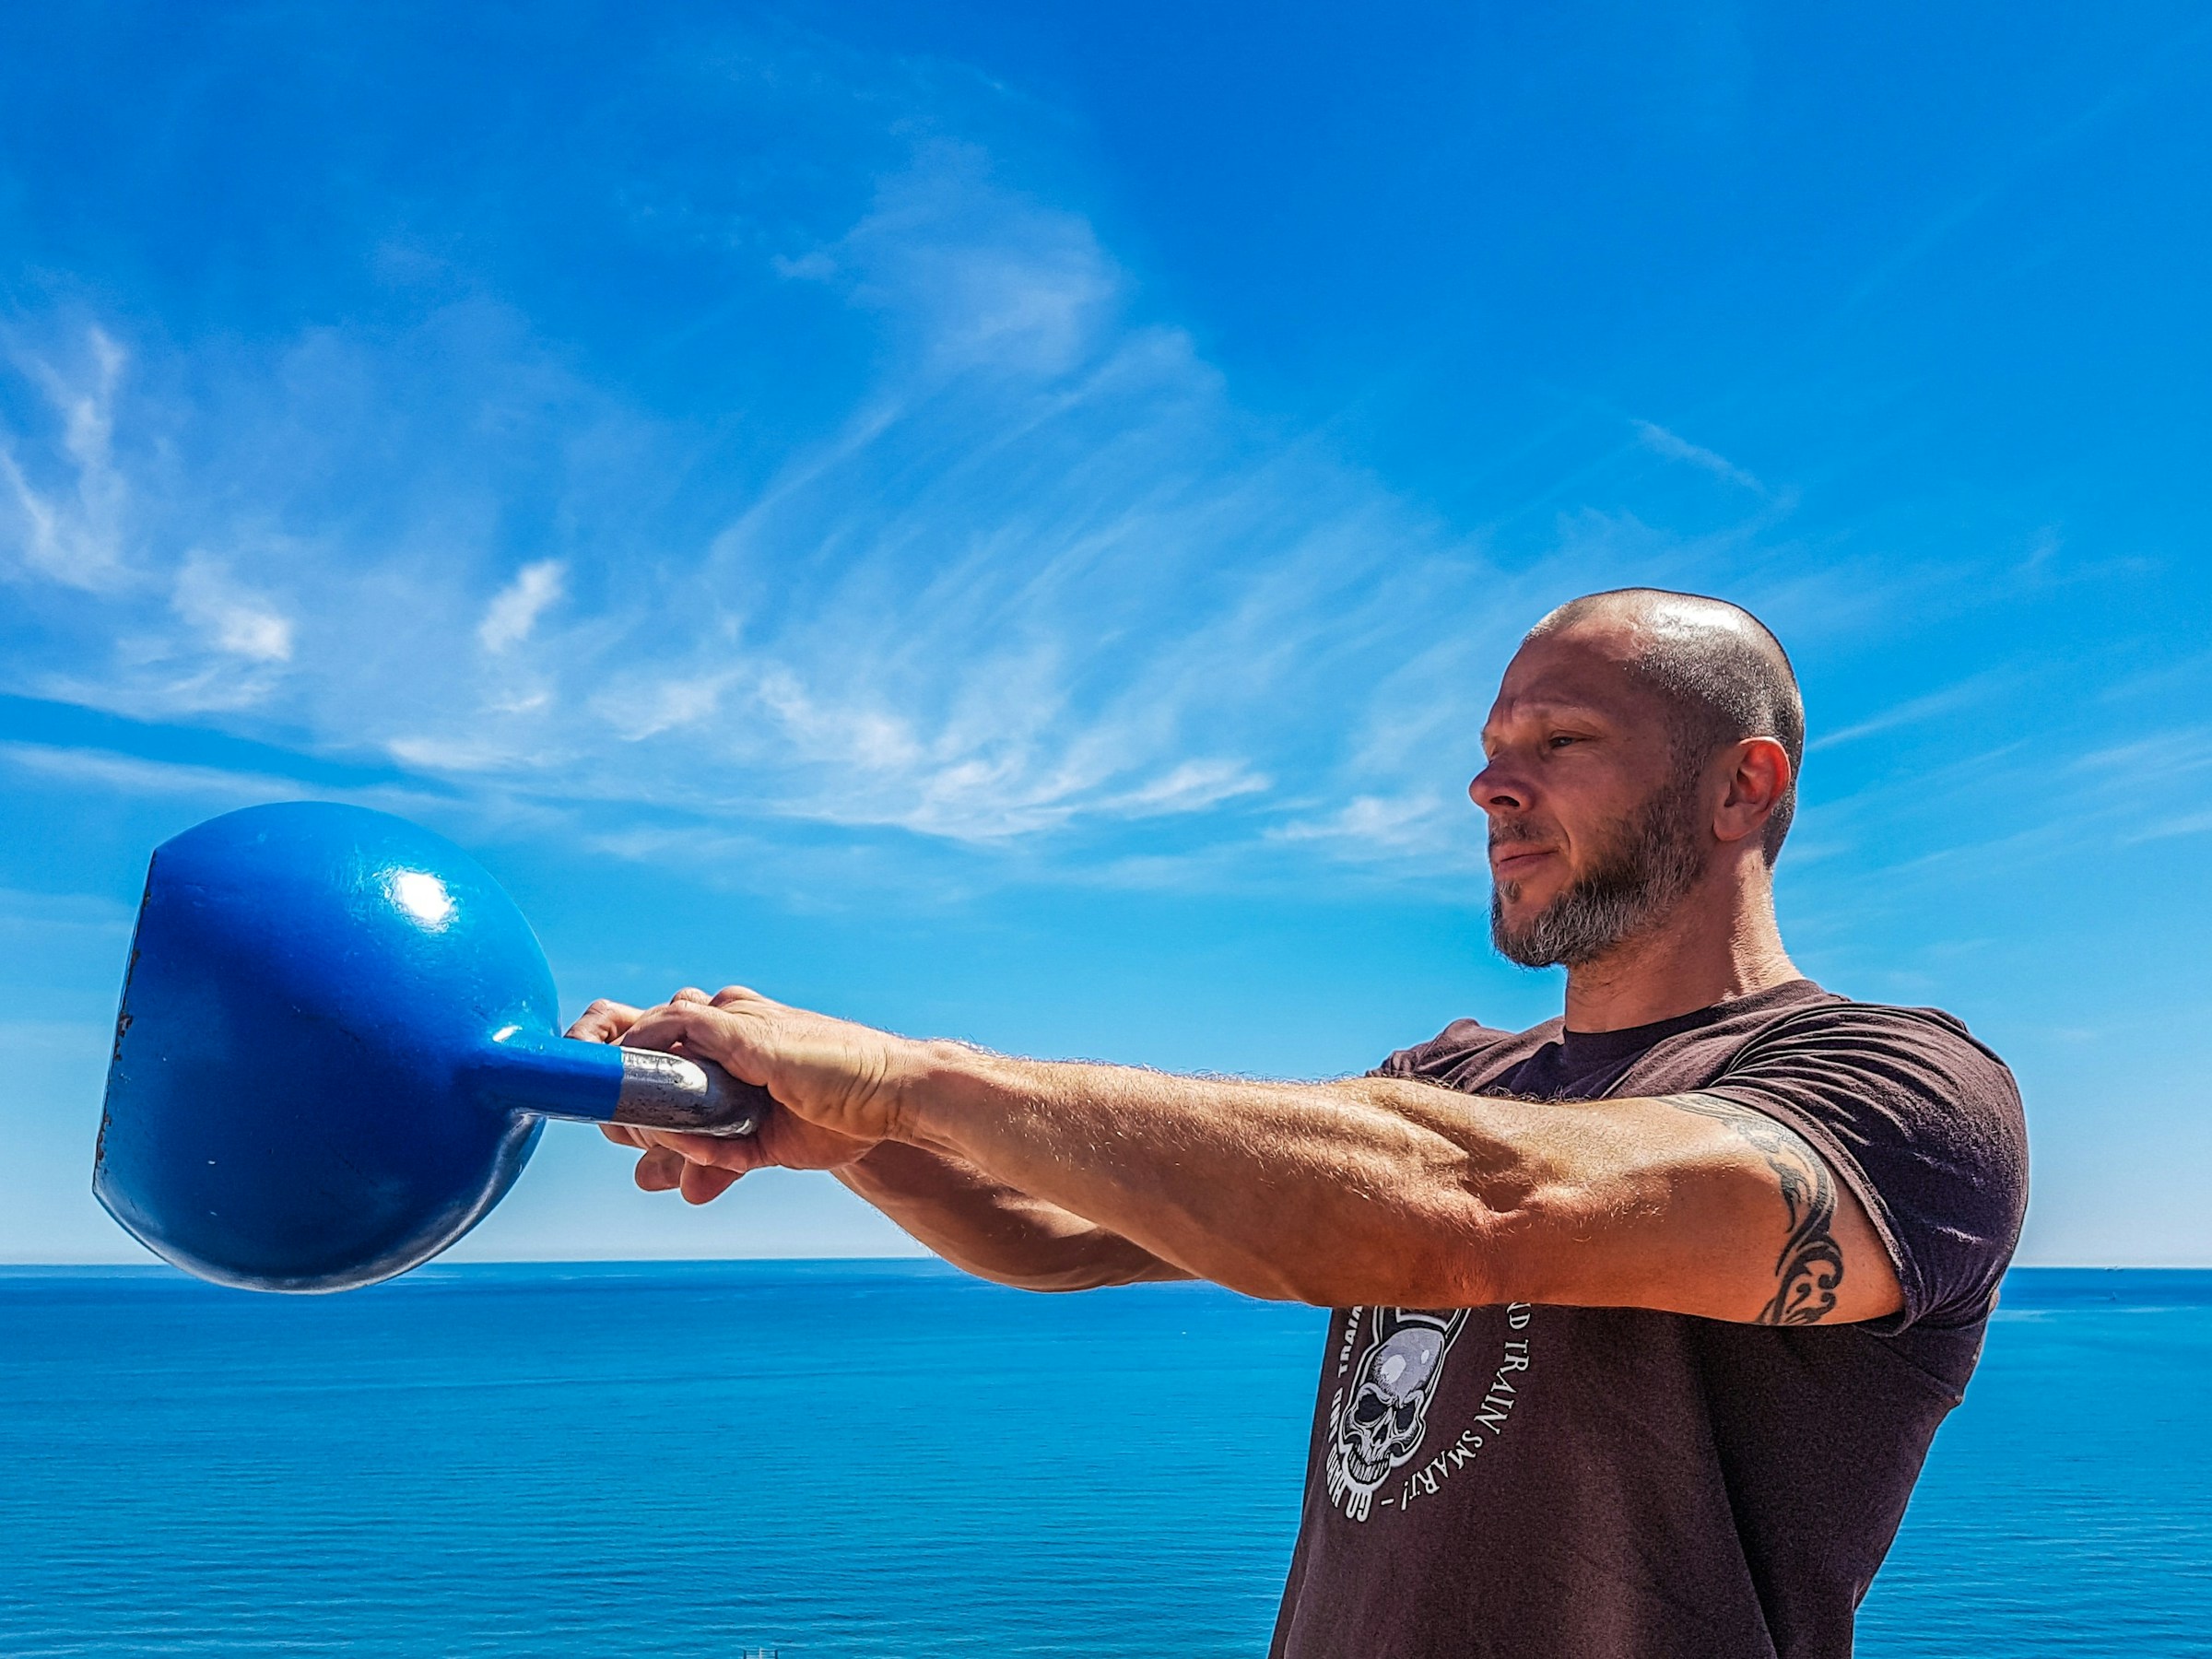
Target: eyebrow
1556 707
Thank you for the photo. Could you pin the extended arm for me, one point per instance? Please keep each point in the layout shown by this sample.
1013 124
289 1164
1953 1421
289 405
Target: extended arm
991 1229
1372 1191
1379 1191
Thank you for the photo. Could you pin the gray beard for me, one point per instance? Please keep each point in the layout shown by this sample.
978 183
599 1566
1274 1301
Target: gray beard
1650 861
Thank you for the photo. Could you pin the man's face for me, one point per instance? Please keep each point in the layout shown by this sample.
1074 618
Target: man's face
1595 830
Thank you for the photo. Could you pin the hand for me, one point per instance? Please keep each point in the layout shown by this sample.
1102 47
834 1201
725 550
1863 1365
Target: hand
832 1073
703 1166
833 1055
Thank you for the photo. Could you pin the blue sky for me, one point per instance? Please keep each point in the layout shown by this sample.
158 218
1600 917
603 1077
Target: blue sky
1004 520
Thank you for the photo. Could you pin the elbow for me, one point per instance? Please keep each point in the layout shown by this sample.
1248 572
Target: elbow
1083 1263
1029 1274
1067 1284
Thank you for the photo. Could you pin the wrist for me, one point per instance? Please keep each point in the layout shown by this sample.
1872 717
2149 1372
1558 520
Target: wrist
933 1075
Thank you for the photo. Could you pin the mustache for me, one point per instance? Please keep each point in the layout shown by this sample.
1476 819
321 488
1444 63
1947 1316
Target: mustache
1512 833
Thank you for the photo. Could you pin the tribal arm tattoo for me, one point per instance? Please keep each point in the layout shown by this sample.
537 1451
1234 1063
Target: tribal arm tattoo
1809 1269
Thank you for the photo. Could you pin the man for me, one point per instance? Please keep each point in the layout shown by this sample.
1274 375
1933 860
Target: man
1644 1317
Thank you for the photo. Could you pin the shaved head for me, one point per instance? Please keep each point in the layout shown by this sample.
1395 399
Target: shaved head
1725 677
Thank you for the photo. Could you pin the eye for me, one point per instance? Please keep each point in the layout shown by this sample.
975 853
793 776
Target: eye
1559 740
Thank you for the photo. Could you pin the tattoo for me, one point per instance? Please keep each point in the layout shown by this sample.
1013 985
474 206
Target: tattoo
1809 1271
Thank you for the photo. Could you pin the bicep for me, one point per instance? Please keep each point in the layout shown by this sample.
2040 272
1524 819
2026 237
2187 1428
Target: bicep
1697 1204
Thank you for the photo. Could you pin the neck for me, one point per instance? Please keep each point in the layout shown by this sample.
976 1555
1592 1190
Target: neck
1720 943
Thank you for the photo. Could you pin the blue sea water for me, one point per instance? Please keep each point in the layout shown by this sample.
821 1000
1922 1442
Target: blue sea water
866 1459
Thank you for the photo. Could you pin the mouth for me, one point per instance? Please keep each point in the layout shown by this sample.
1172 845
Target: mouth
1511 861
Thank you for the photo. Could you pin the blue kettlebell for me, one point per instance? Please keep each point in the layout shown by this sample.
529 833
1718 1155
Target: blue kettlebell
337 1044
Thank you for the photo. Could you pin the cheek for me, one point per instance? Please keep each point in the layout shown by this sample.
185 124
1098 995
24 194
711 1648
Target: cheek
1591 817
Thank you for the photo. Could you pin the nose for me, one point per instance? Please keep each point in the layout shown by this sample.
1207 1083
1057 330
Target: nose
1496 788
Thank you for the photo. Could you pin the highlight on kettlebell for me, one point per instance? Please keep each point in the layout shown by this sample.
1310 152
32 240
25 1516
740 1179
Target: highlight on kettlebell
336 1047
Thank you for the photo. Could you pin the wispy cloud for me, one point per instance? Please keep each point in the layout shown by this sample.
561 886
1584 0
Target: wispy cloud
230 616
218 788
515 610
1915 711
134 774
70 530
1431 827
25 910
2159 754
2194 823
1660 441
1042 579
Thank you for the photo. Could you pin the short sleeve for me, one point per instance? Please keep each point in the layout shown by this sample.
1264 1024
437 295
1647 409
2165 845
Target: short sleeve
1447 1056
1923 1123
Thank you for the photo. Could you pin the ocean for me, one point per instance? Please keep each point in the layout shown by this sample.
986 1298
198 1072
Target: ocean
865 1460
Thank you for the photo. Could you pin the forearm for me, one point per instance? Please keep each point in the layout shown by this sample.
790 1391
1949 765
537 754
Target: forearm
993 1229
1331 1194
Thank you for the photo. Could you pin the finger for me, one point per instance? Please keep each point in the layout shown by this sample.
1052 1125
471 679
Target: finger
603 1021
691 994
703 1186
660 1170
622 1135
738 1152
697 1148
697 1030
730 995
659 1026
668 1027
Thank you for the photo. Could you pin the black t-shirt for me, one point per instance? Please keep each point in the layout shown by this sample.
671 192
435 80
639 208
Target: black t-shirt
1610 1483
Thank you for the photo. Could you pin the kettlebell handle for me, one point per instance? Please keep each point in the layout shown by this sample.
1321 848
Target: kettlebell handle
600 1083
669 1091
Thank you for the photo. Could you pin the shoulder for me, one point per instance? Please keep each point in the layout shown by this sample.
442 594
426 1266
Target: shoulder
1449 1054
1920 1050
1915 1076
1920 1119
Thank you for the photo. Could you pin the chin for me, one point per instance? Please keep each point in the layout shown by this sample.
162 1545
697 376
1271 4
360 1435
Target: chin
1516 904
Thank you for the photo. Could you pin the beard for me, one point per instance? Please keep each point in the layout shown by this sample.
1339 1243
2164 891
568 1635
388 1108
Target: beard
1645 866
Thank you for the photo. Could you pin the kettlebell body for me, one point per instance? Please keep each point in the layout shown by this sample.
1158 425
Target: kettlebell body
337 1046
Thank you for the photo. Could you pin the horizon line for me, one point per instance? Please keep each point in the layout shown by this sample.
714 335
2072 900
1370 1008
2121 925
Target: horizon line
28 1268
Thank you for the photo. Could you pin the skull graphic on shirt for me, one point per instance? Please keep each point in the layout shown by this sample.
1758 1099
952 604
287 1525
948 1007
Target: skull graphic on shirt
1376 1425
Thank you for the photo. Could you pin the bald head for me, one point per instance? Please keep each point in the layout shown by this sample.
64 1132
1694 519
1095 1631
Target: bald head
1724 676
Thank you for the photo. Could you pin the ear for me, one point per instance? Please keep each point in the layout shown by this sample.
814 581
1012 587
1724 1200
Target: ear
1758 776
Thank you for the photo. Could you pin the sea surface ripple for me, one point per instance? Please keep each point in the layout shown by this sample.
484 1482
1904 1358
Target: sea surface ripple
878 1460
